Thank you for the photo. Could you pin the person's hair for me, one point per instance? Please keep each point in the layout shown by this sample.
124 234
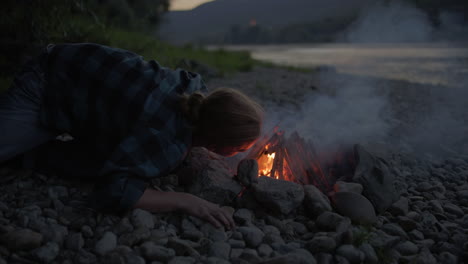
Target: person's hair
226 117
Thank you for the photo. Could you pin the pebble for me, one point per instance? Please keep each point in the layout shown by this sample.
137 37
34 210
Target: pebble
252 235
21 239
107 243
47 253
321 244
352 254
142 218
153 252
220 250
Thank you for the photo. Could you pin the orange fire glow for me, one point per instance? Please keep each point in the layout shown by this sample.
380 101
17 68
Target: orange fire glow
265 163
295 159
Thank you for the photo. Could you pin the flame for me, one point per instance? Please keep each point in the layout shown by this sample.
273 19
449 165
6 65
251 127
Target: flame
295 159
265 163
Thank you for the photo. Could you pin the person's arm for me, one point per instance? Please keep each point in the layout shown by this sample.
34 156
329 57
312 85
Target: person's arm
157 201
117 193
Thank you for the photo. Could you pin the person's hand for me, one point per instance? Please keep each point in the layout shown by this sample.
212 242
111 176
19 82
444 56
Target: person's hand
208 211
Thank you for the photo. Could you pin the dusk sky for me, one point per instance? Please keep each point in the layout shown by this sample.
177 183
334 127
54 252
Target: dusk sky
186 4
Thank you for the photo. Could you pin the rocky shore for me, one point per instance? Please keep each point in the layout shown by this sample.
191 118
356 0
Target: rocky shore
44 220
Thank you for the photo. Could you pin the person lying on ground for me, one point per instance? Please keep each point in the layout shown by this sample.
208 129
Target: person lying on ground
137 118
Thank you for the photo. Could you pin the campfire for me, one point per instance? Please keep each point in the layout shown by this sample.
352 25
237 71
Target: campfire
296 159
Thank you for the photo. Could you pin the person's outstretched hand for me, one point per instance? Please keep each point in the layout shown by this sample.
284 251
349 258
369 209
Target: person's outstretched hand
157 201
208 211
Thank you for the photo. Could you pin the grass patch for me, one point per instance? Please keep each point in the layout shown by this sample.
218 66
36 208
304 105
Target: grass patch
170 56
286 67
361 236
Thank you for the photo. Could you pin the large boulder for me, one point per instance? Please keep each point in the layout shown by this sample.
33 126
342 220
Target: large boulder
315 201
278 195
373 174
354 206
208 176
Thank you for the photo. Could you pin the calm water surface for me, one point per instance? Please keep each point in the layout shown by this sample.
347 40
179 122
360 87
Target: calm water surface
445 64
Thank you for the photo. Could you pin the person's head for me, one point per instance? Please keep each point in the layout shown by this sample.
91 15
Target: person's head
226 121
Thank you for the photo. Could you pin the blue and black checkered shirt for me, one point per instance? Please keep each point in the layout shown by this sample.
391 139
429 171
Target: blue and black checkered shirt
126 108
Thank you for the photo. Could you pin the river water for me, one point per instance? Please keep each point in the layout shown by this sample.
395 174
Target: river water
430 63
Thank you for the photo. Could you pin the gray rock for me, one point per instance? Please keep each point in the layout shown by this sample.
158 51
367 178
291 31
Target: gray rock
373 174
271 229
182 260
87 231
243 216
354 206
74 241
271 238
124 226
47 253
183 247
352 254
462 194
315 201
425 257
57 192
220 250
21 239
298 256
153 252
321 244
278 195
253 236
453 209
213 180
369 253
215 260
107 243
328 221
85 257
298 228
193 235
55 232
340 260
235 253
236 243
406 223
380 239
448 258
399 207
137 236
133 259
436 206
395 230
342 186
250 255
247 172
324 258
142 218
213 233
264 250
407 248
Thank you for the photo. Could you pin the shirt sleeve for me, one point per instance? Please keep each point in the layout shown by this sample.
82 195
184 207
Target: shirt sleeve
117 193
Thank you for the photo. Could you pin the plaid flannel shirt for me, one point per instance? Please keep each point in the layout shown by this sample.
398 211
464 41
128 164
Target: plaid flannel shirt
126 108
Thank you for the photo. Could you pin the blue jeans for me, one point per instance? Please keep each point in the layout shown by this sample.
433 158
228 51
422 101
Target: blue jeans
21 131
20 126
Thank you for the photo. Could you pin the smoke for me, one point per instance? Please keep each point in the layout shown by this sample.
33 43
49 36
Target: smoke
390 23
354 112
428 121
